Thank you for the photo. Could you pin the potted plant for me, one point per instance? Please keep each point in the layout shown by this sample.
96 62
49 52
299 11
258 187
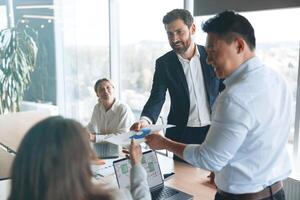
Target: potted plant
18 54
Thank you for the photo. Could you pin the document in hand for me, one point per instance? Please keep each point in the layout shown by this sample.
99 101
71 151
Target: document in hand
139 136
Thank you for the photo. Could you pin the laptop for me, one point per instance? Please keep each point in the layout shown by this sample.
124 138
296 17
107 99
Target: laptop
106 150
157 188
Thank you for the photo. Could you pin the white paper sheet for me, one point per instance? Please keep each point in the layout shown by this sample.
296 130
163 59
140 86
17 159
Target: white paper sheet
124 139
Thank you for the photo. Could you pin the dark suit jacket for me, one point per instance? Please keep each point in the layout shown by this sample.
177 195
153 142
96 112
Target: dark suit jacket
169 75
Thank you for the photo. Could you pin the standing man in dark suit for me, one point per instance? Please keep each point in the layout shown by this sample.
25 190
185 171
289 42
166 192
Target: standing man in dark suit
191 82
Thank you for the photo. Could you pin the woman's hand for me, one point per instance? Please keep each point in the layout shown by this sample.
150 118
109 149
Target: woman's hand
135 153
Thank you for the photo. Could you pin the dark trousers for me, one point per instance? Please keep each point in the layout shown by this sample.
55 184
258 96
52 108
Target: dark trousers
278 196
187 135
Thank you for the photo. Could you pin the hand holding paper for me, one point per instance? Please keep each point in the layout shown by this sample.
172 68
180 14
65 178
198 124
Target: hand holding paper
125 138
149 129
140 134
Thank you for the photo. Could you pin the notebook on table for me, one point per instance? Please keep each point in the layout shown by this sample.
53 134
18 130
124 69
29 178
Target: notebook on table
155 180
106 150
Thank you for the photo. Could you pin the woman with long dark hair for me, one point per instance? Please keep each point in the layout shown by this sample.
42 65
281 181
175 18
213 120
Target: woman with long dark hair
53 163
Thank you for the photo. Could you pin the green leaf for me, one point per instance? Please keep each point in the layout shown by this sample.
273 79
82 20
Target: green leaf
18 54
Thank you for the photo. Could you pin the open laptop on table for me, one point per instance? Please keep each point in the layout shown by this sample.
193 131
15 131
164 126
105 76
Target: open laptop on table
106 150
155 180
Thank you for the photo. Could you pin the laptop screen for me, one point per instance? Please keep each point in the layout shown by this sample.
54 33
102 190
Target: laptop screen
149 162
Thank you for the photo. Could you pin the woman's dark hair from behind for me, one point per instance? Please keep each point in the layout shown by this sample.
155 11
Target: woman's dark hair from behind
53 163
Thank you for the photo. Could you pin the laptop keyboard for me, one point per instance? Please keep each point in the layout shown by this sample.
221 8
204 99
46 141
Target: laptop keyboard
163 193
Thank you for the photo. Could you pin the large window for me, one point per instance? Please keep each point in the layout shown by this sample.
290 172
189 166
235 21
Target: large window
83 27
3 17
42 88
84 30
142 41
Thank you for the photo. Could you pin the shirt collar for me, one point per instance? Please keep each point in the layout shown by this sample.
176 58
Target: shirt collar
186 60
113 107
247 66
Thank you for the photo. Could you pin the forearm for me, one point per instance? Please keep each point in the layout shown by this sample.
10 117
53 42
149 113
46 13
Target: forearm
102 137
139 185
175 147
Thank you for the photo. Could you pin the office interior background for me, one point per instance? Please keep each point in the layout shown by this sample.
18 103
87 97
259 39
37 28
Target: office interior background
84 40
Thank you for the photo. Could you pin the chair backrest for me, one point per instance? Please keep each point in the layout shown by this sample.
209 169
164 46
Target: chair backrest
13 127
6 160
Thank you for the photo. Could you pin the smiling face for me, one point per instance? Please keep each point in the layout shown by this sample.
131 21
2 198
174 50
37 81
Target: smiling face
105 91
179 35
222 55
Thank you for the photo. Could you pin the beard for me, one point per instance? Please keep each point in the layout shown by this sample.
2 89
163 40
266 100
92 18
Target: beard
184 45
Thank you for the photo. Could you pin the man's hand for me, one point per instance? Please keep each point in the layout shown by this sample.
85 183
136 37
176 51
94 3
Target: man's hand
156 141
139 125
92 137
211 177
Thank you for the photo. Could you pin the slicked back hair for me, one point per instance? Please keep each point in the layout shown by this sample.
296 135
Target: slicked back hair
182 14
99 81
228 25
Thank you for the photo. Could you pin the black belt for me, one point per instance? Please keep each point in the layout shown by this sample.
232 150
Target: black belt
265 193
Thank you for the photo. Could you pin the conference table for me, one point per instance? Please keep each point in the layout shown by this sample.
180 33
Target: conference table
187 178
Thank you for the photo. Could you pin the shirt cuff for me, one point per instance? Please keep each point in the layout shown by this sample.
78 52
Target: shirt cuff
188 153
100 138
147 119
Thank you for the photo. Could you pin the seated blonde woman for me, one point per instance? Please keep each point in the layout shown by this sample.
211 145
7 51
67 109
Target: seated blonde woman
110 115
53 162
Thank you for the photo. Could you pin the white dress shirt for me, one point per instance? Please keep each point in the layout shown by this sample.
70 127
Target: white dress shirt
245 145
116 120
199 113
199 110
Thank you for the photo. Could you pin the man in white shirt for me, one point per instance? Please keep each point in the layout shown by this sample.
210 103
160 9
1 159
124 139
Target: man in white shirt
245 145
110 116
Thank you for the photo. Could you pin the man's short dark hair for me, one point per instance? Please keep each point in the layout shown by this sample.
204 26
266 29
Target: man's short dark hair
98 82
182 14
229 24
